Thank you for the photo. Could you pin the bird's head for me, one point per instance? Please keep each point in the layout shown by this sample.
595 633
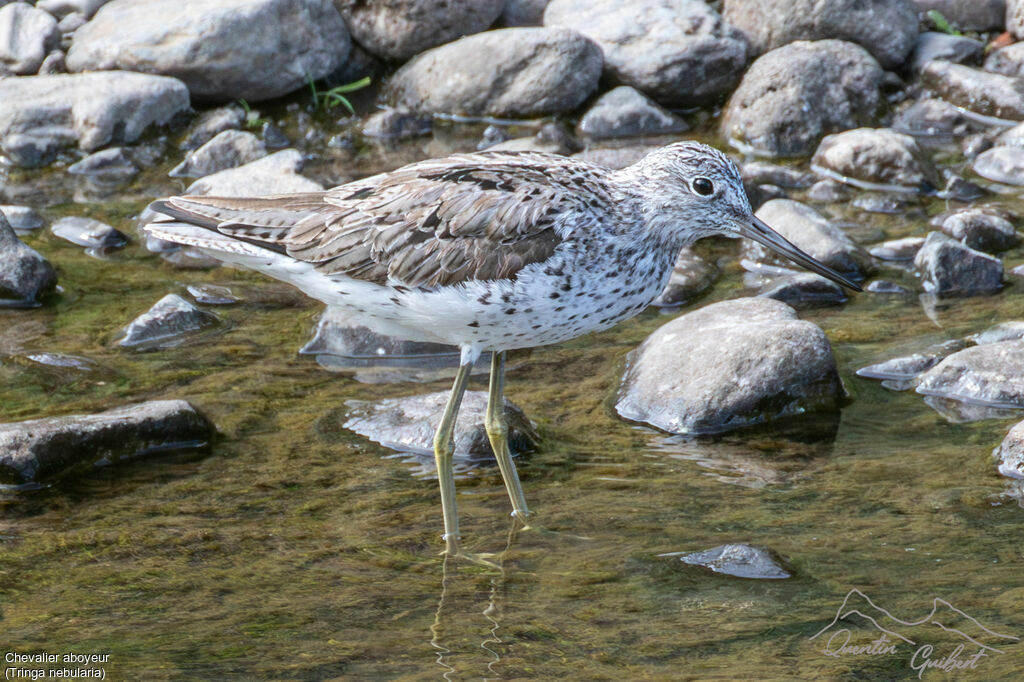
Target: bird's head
691 190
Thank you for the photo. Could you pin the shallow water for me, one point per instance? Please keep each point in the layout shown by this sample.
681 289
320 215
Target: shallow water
292 549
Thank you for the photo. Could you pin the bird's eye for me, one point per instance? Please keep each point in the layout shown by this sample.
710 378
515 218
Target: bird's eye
703 187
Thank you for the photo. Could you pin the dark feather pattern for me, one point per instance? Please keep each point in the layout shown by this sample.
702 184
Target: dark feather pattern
479 216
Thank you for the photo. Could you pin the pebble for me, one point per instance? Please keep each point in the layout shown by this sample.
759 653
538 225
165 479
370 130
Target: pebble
741 561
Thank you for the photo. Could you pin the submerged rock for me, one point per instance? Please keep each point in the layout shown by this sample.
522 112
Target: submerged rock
741 561
625 112
41 114
274 174
27 34
24 274
227 149
874 158
221 49
809 230
396 30
89 233
527 72
793 96
990 374
408 424
885 28
950 268
691 276
678 52
169 322
988 94
34 450
728 365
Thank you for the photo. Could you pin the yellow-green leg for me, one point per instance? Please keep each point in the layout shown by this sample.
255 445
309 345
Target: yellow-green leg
444 448
497 433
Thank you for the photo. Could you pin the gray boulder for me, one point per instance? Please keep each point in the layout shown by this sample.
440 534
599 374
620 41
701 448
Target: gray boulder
221 49
988 94
969 15
728 365
949 268
813 233
168 323
984 229
991 374
625 112
793 96
24 274
691 276
277 173
228 149
872 158
408 425
40 114
932 45
679 52
885 28
38 449
741 561
399 29
27 35
1004 164
514 72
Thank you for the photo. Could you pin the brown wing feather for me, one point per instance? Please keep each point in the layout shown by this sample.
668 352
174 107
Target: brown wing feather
474 216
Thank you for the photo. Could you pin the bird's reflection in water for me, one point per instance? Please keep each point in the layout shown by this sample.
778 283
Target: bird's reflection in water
444 631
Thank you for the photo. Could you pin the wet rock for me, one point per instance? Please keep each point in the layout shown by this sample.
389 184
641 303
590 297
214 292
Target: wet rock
1010 453
22 218
40 114
829 191
35 450
62 8
897 249
678 52
89 233
949 268
396 30
108 164
969 15
741 561
988 94
728 365
983 229
221 49
884 286
958 49
228 149
524 12
886 28
27 34
763 173
211 294
930 117
990 374
805 289
1004 331
166 324
691 277
514 72
1001 164
876 158
24 274
614 157
901 369
791 97
274 174
392 124
209 123
809 230
408 425
625 112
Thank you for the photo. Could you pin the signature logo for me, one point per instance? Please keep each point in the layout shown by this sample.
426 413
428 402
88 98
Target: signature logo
946 640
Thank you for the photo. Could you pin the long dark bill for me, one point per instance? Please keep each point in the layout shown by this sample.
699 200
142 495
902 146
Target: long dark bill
760 232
